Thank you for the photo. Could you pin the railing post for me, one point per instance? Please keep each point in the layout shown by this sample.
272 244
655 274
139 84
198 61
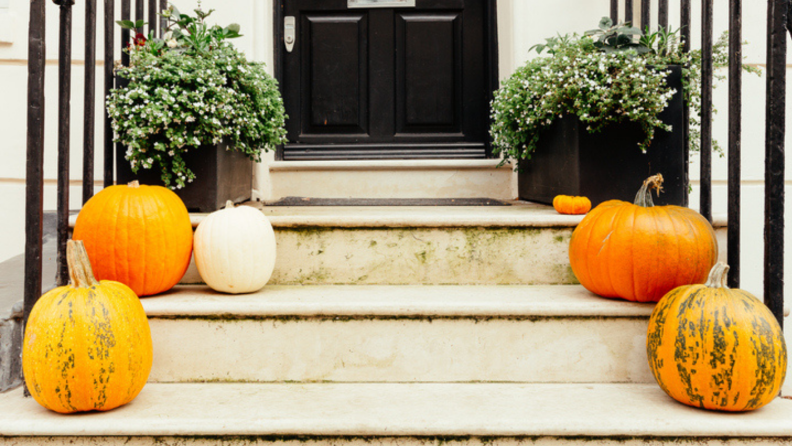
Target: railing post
774 157
646 14
735 139
628 11
706 109
139 14
109 78
614 11
685 26
64 124
662 14
90 100
152 17
34 179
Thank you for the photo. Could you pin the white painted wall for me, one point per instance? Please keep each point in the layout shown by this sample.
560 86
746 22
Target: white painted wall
522 24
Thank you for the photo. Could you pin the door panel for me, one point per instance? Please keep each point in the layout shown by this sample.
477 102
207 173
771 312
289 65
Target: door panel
429 72
335 74
386 82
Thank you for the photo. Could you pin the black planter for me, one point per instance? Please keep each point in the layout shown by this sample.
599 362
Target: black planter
220 175
608 165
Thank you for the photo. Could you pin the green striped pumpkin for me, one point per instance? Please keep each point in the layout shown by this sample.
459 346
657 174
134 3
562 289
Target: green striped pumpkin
716 348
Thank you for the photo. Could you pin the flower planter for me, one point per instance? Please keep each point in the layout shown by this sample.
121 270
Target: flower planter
220 175
608 165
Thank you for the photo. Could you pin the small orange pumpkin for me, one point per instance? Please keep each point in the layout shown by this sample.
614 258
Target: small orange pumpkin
716 348
138 235
87 345
639 252
565 204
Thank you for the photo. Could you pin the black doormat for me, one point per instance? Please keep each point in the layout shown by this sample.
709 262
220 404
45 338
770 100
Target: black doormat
303 201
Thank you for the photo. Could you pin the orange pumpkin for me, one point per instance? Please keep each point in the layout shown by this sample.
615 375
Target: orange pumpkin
87 345
716 348
639 252
138 235
565 204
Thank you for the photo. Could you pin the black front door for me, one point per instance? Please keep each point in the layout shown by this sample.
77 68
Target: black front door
383 82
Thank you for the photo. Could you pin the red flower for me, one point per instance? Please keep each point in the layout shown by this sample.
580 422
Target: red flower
139 39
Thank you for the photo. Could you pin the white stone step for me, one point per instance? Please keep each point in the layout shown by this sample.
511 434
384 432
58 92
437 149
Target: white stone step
395 414
525 243
549 333
392 179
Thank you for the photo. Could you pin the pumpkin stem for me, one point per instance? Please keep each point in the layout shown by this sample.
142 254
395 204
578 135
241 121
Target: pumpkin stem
134 184
80 270
718 275
644 196
229 205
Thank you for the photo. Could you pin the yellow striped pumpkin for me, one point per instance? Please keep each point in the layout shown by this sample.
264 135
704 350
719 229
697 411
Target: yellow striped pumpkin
87 345
716 348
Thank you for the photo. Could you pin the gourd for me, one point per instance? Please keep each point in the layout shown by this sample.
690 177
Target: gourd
565 204
137 235
639 251
716 348
87 345
235 249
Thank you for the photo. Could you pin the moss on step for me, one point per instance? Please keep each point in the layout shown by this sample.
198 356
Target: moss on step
423 256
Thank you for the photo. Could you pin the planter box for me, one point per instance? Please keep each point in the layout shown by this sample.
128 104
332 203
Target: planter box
220 175
608 165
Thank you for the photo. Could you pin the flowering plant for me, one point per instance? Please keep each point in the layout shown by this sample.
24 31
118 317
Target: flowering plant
192 88
602 77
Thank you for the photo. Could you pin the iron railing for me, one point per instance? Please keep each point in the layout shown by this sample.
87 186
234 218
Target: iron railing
778 25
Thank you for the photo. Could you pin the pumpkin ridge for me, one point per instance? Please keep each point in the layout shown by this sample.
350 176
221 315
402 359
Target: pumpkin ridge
676 244
593 262
156 234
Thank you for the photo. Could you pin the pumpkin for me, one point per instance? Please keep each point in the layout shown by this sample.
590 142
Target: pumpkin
716 348
87 345
639 251
565 204
137 235
235 249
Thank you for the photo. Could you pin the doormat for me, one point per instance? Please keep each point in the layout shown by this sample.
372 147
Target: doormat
304 201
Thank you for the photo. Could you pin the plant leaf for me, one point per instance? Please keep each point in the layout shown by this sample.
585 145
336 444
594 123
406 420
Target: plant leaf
631 30
126 24
605 23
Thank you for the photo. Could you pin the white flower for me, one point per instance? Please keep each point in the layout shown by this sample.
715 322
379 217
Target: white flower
172 43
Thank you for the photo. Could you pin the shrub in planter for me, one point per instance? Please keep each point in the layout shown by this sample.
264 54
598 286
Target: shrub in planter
604 81
189 91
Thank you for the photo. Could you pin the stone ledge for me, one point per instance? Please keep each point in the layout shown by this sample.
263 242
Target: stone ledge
520 215
480 301
388 410
379 165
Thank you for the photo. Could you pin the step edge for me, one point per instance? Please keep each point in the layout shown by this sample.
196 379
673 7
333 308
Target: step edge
397 301
347 221
384 165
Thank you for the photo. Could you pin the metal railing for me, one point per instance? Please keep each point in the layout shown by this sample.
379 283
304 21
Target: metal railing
778 25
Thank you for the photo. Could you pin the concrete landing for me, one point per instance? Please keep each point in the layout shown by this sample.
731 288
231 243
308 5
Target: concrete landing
316 411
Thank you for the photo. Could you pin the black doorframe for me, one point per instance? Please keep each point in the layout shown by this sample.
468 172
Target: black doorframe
492 59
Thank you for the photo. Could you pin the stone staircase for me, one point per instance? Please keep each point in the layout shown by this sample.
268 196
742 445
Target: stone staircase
408 326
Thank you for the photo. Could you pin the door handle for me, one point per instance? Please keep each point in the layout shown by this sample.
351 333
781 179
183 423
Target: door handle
289 35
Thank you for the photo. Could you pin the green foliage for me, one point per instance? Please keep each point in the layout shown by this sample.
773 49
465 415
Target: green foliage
192 89
603 77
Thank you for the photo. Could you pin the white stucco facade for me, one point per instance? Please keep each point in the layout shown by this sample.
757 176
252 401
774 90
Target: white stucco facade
522 23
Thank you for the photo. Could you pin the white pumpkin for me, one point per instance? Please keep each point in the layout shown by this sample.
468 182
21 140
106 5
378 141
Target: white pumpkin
235 249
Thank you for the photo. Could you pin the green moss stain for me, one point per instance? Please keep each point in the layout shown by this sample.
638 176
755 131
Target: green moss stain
431 256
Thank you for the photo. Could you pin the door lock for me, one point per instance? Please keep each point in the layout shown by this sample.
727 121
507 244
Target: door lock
289 35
